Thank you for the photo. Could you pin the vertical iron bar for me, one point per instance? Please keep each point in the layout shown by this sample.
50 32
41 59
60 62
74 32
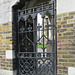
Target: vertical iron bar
18 35
26 30
48 33
26 34
22 37
53 33
15 23
39 36
55 36
47 29
18 44
34 40
43 29
43 33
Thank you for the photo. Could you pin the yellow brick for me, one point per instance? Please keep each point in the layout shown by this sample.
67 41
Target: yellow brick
58 23
10 23
9 42
71 21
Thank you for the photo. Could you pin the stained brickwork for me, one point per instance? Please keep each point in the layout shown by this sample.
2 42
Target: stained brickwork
65 42
6 44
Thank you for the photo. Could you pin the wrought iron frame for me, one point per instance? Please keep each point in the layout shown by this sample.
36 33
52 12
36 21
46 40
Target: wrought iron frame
49 59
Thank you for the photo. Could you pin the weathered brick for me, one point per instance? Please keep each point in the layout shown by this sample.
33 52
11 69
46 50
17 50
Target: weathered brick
68 17
68 56
69 64
66 42
63 60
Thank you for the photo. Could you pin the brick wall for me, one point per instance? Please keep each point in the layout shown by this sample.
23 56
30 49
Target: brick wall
65 42
6 45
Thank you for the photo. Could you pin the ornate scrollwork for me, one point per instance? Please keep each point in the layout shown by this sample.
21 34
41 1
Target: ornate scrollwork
29 11
21 13
33 15
47 7
43 13
25 17
29 28
38 9
22 29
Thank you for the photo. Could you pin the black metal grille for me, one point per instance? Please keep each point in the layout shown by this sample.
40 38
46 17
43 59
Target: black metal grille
35 65
33 60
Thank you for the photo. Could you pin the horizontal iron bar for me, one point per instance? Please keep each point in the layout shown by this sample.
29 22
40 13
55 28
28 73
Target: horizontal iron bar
36 12
35 7
47 58
37 52
35 30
